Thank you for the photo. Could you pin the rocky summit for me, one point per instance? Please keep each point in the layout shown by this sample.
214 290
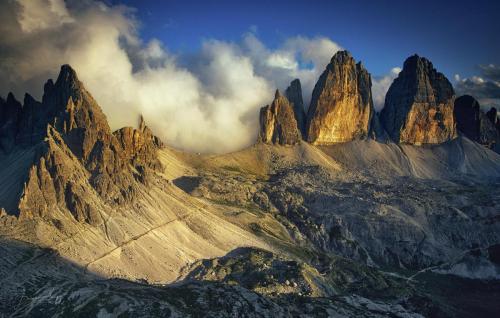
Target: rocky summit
341 107
277 122
294 95
419 105
474 123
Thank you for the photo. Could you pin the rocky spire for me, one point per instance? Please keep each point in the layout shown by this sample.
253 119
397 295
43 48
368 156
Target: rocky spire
75 150
277 122
467 112
474 123
294 95
341 106
10 111
419 105
493 116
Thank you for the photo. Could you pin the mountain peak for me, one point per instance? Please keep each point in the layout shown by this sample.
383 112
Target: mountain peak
67 74
341 105
277 122
11 98
341 56
277 94
294 95
419 105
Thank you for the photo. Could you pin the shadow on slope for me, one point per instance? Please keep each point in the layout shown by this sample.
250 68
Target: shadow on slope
14 170
187 183
38 282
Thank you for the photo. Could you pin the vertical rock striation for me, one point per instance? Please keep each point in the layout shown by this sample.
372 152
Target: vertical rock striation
294 95
341 105
419 105
277 122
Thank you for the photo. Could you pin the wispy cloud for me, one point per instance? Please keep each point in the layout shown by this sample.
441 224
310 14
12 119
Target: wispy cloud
380 86
484 87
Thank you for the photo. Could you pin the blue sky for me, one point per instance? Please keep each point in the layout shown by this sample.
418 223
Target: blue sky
456 35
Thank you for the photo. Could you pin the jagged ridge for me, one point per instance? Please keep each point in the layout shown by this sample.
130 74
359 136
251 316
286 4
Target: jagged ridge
76 152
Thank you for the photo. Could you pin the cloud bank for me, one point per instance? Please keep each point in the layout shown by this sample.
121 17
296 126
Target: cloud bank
485 87
206 102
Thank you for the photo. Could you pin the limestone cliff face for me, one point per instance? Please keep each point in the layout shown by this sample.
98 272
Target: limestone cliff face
277 123
341 106
419 105
76 154
294 95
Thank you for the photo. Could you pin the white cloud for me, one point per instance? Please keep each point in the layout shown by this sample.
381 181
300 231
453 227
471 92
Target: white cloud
380 86
209 104
40 15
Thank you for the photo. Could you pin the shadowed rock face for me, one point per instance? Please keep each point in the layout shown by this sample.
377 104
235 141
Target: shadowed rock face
467 111
294 95
76 152
419 105
277 123
493 117
341 106
10 112
475 124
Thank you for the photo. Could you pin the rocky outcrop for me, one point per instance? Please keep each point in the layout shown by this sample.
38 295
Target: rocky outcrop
76 152
139 145
466 112
419 105
341 106
10 112
277 122
492 115
294 95
474 123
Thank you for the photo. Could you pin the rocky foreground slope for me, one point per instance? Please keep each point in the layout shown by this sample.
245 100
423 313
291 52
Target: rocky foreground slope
95 222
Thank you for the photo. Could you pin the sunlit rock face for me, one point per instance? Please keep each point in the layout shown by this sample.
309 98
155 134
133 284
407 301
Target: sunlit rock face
79 164
277 122
341 106
294 95
419 105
